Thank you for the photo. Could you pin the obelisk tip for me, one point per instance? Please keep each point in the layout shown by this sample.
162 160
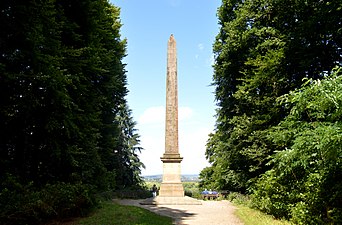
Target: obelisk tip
172 38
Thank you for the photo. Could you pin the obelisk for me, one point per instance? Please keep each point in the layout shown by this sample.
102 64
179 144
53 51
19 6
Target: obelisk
171 185
171 189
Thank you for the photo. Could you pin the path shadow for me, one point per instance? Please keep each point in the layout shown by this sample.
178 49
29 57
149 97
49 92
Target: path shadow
178 215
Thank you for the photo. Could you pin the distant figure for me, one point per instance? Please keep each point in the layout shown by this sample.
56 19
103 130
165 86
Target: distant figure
154 190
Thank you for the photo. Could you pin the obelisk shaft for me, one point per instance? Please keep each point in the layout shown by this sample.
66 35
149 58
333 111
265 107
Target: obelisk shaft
171 123
171 185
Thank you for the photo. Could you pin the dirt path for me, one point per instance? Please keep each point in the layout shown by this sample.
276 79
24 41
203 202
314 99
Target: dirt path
209 213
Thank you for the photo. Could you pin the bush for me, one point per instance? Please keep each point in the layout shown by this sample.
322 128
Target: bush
130 193
271 197
24 204
191 189
238 198
305 182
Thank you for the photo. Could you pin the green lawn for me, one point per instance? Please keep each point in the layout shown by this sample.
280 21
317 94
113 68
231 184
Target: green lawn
114 214
254 217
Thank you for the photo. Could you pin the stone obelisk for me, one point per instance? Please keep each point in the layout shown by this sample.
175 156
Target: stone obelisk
171 189
171 185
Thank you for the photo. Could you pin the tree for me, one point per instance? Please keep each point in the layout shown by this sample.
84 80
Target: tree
34 102
263 50
62 87
304 183
126 154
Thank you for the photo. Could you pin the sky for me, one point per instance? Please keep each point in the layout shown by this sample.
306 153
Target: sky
147 26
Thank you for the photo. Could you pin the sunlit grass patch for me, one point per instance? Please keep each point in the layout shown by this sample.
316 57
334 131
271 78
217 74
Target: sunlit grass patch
251 216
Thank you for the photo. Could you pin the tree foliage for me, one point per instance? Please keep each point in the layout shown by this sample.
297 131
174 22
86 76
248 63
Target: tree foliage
63 85
276 137
126 154
263 50
304 183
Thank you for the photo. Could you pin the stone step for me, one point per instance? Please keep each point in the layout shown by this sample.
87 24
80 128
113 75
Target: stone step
171 201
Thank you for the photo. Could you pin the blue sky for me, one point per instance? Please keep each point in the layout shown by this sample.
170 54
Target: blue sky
147 26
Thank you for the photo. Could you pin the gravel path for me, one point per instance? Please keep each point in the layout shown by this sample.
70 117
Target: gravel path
209 213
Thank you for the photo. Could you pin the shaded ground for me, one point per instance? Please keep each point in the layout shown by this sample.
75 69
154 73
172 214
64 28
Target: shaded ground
209 213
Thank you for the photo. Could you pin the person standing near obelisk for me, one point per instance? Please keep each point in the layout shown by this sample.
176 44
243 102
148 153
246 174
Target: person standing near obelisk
171 185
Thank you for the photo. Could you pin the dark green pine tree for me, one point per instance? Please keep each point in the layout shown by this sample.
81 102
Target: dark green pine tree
263 50
126 159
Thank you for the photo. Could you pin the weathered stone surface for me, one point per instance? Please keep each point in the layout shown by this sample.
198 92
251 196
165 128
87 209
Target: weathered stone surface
171 122
171 189
171 185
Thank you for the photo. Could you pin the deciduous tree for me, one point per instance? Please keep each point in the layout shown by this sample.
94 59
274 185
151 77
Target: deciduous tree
263 50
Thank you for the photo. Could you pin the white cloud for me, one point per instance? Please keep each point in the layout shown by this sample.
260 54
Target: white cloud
185 113
192 149
212 60
153 114
200 46
153 145
192 140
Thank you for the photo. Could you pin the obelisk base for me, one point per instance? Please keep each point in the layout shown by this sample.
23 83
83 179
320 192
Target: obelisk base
171 190
171 201
171 185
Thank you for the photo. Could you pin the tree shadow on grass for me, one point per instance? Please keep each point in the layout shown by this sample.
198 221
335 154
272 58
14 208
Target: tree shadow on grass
178 215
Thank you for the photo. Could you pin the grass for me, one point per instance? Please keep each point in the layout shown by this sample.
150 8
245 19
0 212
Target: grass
254 217
115 214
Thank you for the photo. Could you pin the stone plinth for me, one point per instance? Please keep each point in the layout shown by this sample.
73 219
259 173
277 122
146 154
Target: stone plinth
171 184
159 200
171 189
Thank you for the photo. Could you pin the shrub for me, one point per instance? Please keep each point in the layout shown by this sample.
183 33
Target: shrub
191 189
305 182
24 204
130 193
238 198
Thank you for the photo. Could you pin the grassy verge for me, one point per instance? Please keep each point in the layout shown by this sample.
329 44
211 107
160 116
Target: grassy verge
250 216
114 214
254 217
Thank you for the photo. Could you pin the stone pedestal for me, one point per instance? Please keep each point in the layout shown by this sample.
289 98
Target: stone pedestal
171 184
159 200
